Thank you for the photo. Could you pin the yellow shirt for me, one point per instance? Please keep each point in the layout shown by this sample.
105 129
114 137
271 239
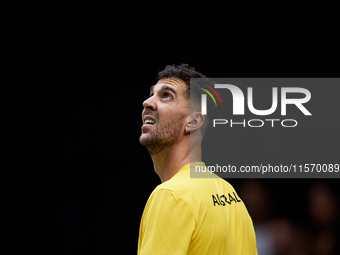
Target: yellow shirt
195 216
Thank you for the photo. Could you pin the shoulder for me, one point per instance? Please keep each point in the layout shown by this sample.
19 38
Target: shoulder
166 191
187 181
175 191
167 201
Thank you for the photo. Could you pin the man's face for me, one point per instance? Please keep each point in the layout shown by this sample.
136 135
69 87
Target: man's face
165 114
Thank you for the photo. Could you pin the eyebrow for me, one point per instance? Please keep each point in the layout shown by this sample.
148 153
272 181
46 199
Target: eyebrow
164 87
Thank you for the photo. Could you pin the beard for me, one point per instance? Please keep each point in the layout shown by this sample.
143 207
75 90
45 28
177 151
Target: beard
163 137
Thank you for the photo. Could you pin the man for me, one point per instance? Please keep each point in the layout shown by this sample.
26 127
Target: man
184 215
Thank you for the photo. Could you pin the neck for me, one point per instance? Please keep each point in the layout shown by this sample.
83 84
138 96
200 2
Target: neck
169 161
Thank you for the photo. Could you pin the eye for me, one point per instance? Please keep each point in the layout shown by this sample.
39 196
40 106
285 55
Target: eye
167 96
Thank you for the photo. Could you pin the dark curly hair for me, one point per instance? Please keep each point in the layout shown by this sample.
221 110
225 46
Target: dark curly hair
182 71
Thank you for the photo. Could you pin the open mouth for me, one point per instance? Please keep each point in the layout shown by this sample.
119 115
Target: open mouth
148 121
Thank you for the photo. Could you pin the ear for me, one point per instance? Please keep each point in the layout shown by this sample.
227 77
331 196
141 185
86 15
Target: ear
196 121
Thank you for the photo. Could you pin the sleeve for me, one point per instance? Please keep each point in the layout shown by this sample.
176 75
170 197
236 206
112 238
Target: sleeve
167 225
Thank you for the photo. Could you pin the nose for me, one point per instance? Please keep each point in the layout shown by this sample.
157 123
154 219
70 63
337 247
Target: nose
150 103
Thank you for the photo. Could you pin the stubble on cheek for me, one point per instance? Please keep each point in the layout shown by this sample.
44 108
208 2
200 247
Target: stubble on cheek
164 136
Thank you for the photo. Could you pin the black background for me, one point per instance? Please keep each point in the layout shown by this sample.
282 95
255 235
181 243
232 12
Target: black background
82 178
